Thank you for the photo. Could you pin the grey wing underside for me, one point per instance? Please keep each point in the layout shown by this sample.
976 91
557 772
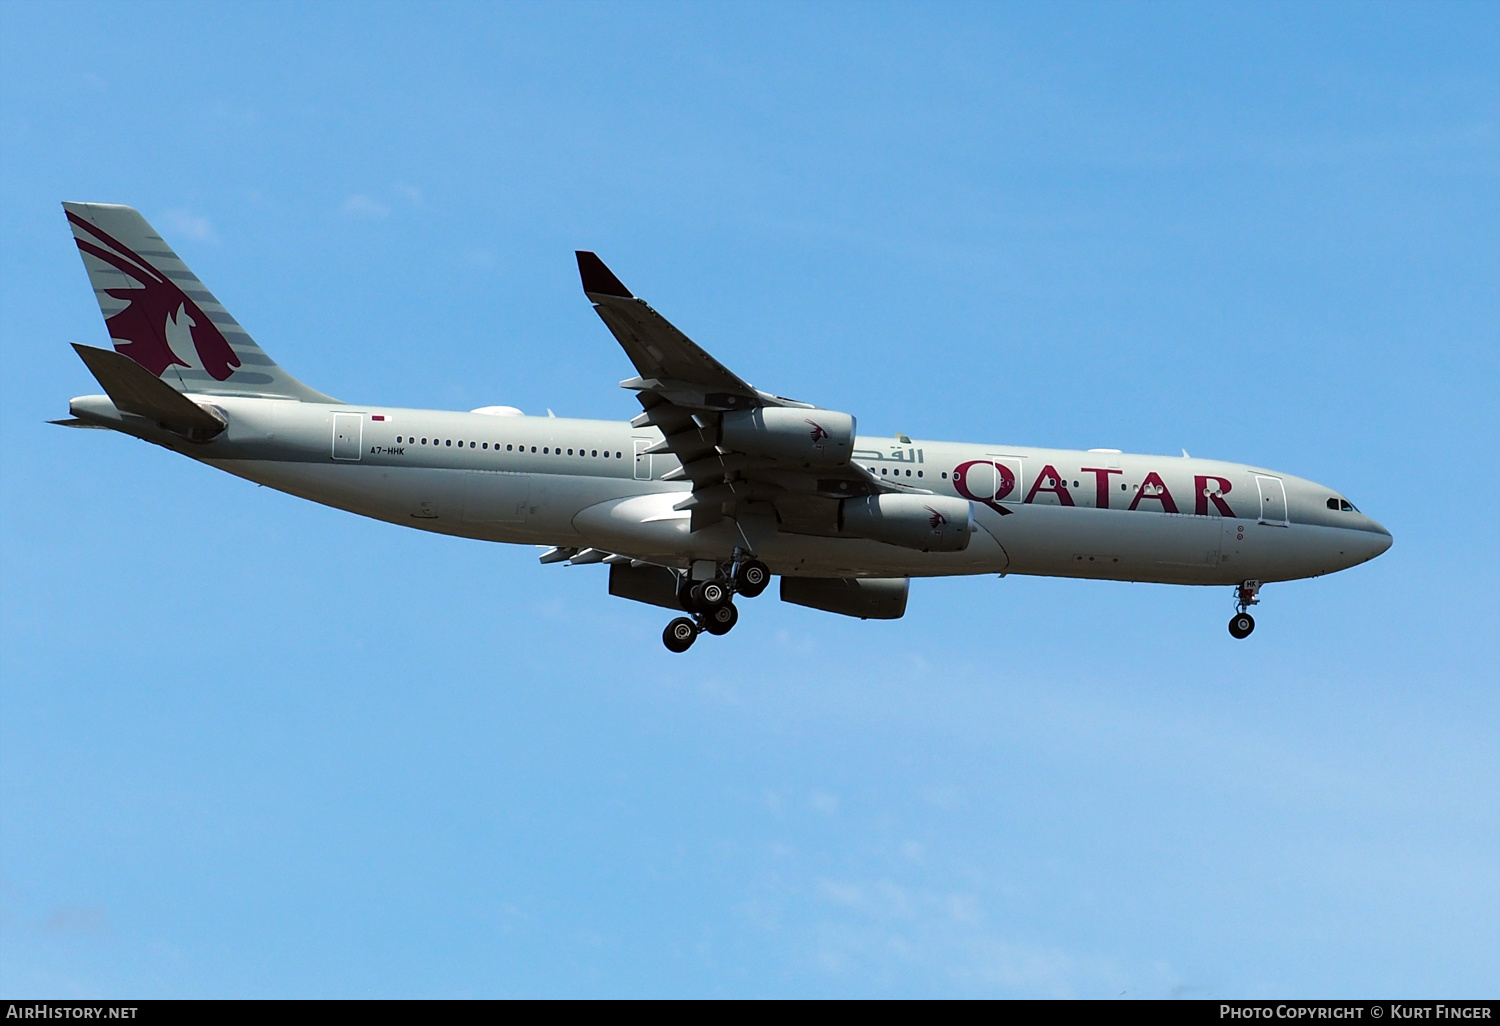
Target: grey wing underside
685 392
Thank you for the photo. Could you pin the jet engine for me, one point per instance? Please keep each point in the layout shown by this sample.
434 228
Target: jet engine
816 438
932 523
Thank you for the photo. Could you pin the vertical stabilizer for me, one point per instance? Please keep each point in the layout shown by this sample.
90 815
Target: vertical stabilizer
161 316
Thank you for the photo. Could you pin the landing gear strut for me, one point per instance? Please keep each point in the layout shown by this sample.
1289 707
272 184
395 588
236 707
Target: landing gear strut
1245 596
710 603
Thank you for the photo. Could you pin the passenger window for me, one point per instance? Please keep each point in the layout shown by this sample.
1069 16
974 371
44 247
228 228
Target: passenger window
919 473
570 452
471 445
596 452
448 442
945 475
424 439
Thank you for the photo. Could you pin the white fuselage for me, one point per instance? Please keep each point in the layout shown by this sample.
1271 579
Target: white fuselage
587 483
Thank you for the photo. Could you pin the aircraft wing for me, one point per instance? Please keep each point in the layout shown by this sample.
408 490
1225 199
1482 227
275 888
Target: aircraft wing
685 393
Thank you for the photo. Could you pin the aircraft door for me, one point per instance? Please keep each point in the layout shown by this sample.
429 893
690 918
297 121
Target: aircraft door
348 431
1272 500
642 459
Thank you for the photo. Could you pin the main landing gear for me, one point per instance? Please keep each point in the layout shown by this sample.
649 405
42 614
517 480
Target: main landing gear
1245 596
710 603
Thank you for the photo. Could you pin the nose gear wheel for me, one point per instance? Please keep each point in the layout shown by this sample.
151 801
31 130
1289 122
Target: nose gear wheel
1246 594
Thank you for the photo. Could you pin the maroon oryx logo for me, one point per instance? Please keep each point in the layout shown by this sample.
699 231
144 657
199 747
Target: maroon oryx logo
819 432
158 305
937 520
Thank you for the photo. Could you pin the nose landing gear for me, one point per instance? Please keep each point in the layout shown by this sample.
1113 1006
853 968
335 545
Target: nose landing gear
1245 596
711 603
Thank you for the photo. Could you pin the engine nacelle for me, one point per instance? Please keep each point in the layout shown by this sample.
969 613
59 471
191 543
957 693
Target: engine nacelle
932 523
817 438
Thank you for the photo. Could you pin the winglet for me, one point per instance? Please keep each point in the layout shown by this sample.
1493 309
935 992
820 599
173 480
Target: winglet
599 279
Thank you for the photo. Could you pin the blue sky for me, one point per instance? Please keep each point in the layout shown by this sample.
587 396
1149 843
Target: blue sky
252 746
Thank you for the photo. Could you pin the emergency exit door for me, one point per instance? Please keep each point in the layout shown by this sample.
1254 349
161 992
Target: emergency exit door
1272 500
642 459
348 429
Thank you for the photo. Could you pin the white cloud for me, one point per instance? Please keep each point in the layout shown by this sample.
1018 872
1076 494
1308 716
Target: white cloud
185 224
365 207
824 802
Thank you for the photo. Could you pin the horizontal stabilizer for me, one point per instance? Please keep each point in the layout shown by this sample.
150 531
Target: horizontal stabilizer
134 389
77 423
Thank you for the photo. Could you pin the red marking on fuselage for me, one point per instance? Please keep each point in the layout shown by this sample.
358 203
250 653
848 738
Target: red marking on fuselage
1160 494
1204 495
1101 484
1005 483
1060 489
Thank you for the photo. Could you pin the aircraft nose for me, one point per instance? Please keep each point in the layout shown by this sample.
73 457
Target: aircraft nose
1370 540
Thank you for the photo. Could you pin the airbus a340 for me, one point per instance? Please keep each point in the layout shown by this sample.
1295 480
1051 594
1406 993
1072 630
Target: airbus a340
711 490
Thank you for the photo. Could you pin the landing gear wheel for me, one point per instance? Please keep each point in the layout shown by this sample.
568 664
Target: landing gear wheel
752 577
694 599
680 634
1242 625
712 594
722 620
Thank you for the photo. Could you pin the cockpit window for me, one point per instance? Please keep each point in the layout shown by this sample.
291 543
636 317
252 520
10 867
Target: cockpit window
1346 505
1333 504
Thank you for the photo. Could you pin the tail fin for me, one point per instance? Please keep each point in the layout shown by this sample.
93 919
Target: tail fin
161 316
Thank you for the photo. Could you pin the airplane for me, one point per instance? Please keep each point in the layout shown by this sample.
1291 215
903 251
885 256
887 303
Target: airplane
711 490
